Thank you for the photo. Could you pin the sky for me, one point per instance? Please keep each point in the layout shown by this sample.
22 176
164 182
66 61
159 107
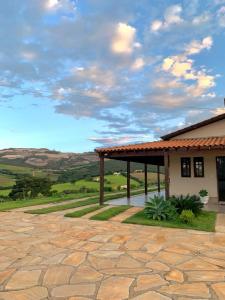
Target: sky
81 74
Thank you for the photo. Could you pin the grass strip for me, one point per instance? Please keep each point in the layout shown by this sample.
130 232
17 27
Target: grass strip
80 203
204 222
84 211
109 213
8 205
51 209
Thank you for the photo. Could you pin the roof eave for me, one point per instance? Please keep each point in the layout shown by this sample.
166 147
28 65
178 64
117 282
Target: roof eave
193 127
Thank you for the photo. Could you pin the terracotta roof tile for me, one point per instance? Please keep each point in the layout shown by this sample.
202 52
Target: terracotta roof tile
196 143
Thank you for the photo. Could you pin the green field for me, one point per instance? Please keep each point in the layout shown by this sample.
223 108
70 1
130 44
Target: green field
152 177
6 180
16 169
4 192
111 181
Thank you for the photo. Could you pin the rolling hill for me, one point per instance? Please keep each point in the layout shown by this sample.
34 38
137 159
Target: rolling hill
58 166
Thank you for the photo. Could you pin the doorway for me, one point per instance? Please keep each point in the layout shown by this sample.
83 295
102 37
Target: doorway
220 166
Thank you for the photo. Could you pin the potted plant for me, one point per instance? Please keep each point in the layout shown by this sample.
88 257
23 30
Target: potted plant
204 196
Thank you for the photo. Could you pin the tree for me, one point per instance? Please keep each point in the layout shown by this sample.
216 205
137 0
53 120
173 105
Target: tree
30 187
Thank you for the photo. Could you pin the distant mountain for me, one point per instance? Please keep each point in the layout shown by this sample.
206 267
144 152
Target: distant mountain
58 166
43 158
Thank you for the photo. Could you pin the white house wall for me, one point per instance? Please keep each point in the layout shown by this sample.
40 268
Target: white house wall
192 185
214 129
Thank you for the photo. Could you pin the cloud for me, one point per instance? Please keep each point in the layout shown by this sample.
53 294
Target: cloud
123 39
196 47
138 64
182 67
98 60
201 19
95 75
51 5
156 25
221 16
219 111
172 16
113 140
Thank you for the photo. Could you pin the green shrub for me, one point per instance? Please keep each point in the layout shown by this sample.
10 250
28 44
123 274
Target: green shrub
159 209
187 202
108 189
203 193
187 216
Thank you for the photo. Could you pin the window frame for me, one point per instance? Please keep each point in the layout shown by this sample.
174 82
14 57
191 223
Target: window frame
181 166
195 160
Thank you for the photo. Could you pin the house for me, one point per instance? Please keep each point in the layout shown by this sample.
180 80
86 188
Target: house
193 158
116 173
123 187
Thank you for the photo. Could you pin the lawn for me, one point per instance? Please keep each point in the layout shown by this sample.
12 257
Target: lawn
82 212
205 221
111 212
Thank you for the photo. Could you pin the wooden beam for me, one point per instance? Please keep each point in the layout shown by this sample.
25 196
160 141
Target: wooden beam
133 154
146 179
167 175
128 179
102 171
158 178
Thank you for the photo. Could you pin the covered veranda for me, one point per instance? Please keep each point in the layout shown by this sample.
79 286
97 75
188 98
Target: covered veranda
133 154
161 153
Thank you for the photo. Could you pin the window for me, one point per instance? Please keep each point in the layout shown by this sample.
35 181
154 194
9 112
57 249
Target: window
185 167
199 166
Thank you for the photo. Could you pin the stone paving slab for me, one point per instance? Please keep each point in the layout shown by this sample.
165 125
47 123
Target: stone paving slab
126 214
220 223
51 257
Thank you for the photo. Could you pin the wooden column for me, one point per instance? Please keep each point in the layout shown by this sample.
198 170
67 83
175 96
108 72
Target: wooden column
102 171
158 178
167 175
146 179
128 179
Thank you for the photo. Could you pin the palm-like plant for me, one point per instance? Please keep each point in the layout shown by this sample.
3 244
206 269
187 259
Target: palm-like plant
159 209
187 202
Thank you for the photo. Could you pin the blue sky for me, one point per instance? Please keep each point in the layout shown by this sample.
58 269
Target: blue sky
79 74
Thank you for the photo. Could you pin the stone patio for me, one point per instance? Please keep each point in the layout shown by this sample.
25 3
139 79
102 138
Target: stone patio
52 257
